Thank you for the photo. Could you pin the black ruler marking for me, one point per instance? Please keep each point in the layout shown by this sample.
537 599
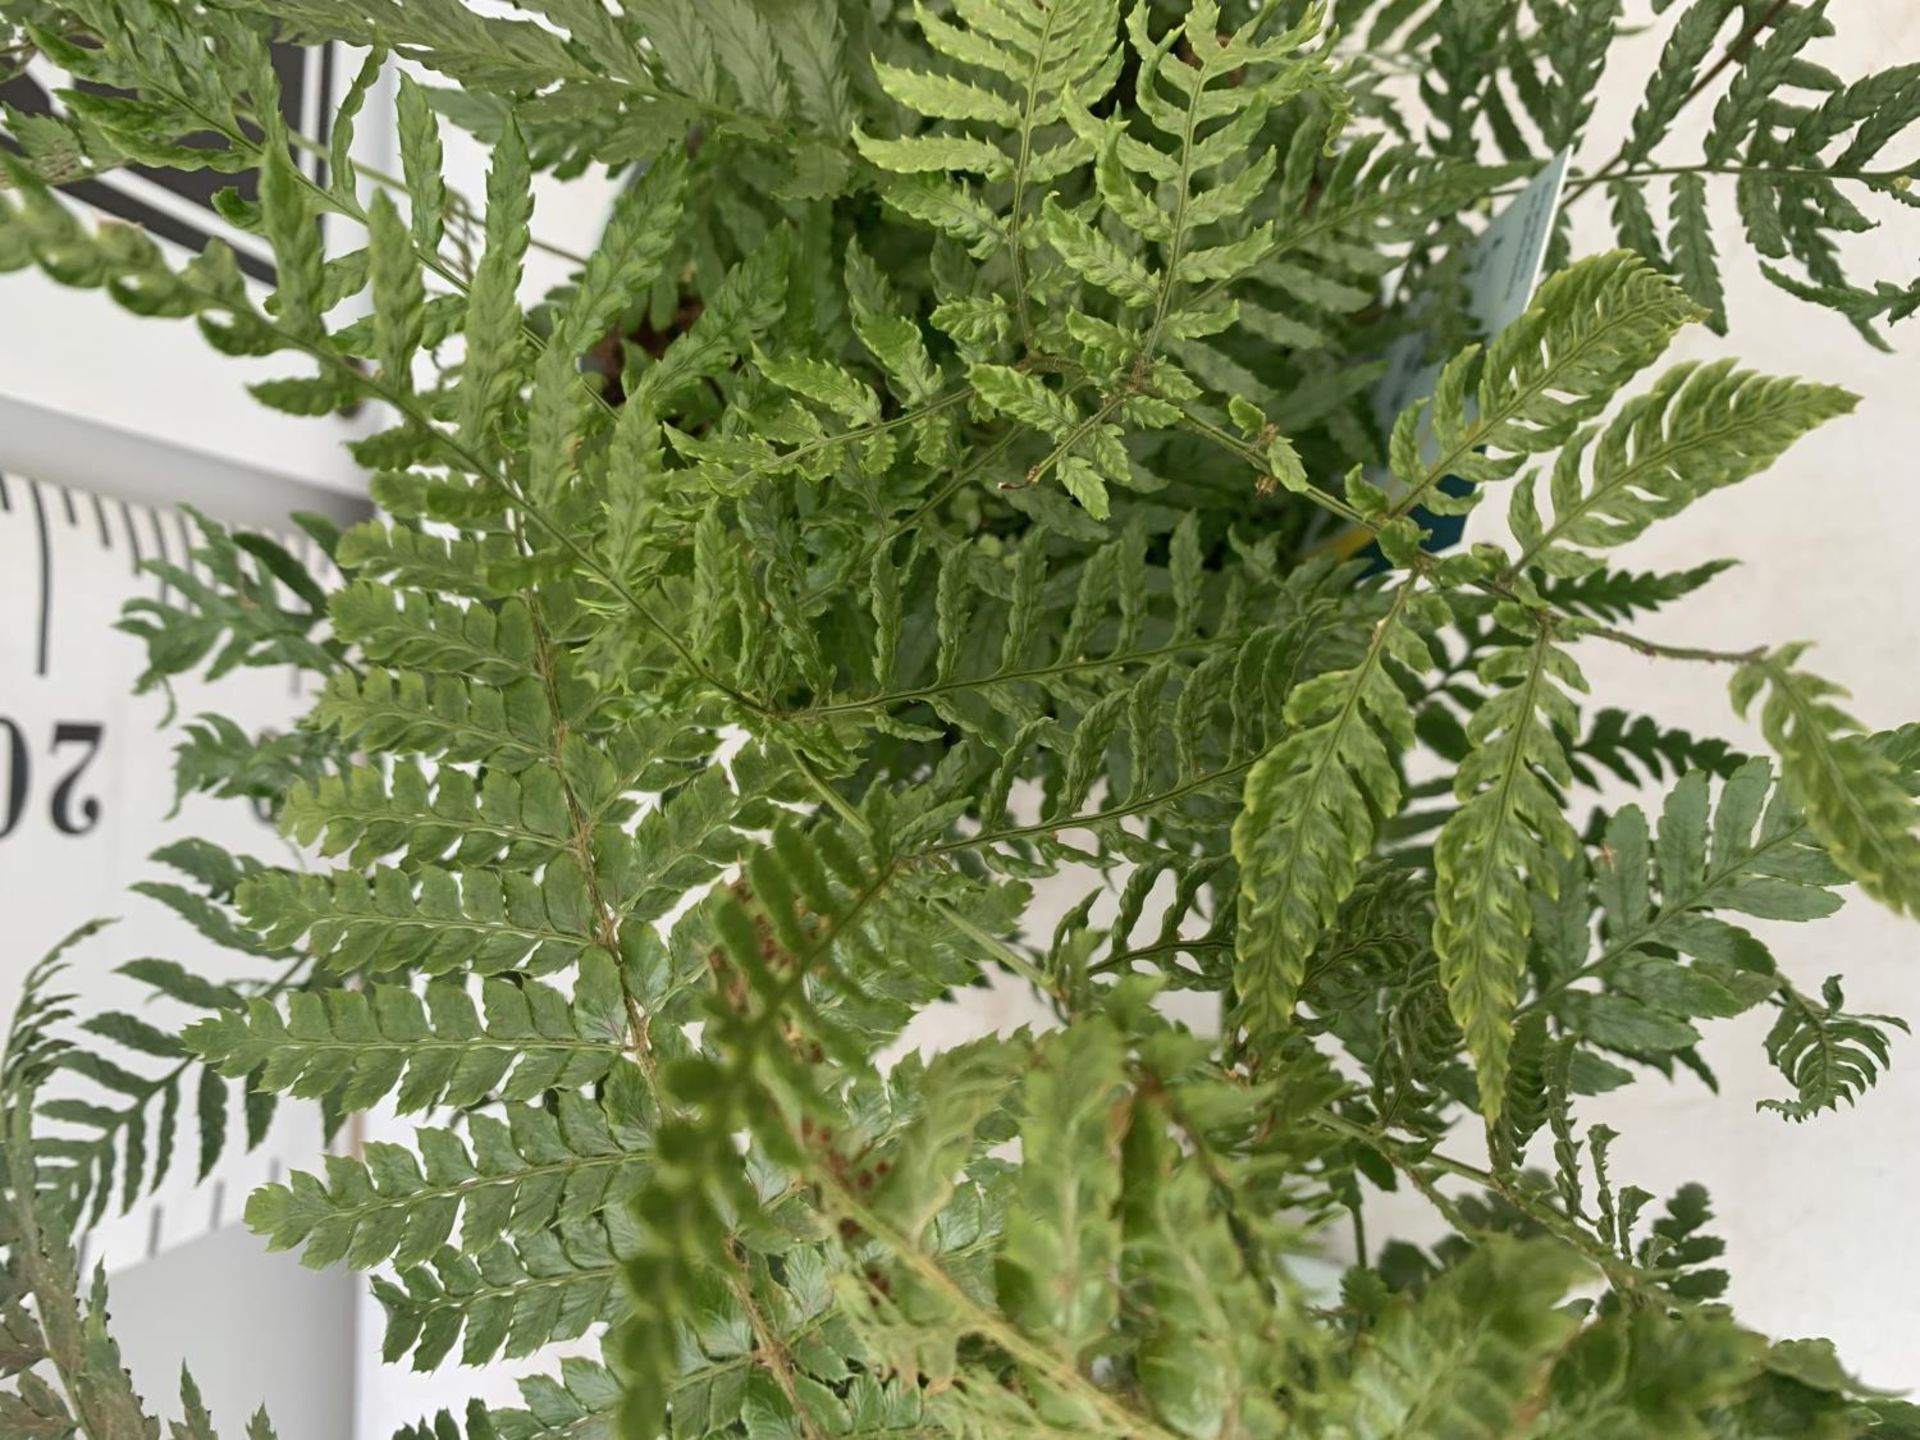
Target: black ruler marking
160 539
46 575
6 500
66 499
100 514
186 542
133 535
323 117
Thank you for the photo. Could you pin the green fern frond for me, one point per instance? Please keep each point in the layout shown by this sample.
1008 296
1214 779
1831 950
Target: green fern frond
514 1178
915 497
117 1134
1044 1303
365 815
1589 330
1793 173
1700 429
418 560
1637 748
417 632
1456 89
794 942
1033 56
1750 853
1604 594
507 1300
1509 826
359 1046
444 717
1827 1054
61 1371
1465 1355
432 920
584 1394
1309 812
778 961
1849 790
1576 39
1063 1237
1208 1342
1679 1246
249 602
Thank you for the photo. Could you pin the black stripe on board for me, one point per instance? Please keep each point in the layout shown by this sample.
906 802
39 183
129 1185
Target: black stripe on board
66 499
6 499
186 541
46 577
160 539
156 221
100 514
195 186
133 536
323 114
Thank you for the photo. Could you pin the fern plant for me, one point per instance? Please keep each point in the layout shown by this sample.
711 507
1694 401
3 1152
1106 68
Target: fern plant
917 498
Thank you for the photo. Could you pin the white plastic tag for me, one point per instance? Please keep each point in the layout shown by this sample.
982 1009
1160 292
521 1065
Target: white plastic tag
1502 270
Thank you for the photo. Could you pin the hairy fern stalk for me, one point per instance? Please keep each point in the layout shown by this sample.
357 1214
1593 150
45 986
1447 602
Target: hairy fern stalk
934 485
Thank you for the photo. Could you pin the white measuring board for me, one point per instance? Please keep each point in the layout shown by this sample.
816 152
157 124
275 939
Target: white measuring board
86 787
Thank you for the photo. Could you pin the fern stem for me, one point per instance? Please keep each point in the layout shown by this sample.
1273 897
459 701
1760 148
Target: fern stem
999 949
770 1351
1012 677
1250 453
1654 650
1734 52
1079 432
580 841
1098 817
1124 958
1007 956
456 201
1016 242
1177 230
1783 172
988 1323
957 482
1671 907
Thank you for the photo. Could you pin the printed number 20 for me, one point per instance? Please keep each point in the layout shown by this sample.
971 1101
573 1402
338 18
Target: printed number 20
62 804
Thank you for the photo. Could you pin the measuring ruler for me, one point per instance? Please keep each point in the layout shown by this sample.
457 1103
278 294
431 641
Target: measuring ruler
86 791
